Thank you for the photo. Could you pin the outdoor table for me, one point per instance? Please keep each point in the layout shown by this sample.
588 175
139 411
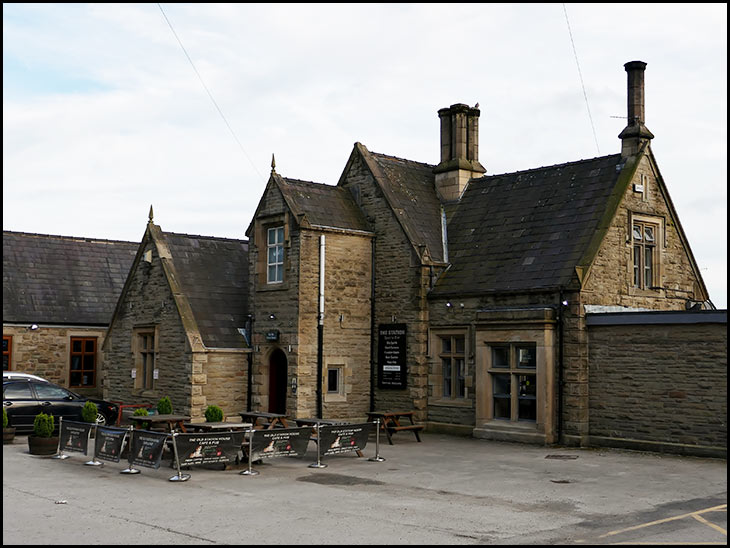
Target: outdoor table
390 421
217 426
271 419
170 422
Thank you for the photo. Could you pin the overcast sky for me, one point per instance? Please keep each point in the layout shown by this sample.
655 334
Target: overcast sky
104 115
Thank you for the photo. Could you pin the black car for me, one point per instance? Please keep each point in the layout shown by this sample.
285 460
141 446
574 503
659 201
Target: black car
24 399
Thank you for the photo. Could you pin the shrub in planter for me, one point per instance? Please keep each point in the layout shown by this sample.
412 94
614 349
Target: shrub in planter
8 431
90 412
164 406
142 412
42 441
214 414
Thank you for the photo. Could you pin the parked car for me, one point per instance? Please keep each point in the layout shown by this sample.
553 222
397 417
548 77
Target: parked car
8 375
23 399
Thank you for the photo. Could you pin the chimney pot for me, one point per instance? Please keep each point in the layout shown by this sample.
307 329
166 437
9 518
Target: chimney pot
635 133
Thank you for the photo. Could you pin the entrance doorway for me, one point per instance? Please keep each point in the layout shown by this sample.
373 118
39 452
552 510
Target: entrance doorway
277 382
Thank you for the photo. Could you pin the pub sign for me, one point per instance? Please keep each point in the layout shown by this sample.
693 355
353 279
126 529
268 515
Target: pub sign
392 369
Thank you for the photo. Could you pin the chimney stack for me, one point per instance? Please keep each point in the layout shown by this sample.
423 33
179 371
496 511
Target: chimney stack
459 150
635 133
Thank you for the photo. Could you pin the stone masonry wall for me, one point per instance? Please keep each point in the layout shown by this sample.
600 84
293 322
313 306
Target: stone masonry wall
664 384
46 352
401 286
149 302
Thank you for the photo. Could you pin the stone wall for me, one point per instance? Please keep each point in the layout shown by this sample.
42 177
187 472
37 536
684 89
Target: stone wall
660 386
219 378
149 302
401 286
46 352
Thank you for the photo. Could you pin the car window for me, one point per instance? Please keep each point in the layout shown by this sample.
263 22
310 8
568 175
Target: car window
17 391
47 391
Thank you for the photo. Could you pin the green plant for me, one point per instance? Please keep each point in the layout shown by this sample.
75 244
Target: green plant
141 411
214 414
5 418
164 406
43 425
89 412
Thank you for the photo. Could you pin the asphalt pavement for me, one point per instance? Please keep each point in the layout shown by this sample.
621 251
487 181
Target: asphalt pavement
444 490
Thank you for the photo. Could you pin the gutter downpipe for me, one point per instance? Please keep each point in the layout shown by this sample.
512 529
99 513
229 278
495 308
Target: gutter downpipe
561 381
250 363
320 326
372 325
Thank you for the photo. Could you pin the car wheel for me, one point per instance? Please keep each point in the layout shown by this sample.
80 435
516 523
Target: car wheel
100 419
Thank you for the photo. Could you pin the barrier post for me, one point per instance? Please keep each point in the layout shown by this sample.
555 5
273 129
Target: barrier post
59 453
249 471
93 461
130 469
318 464
180 476
377 457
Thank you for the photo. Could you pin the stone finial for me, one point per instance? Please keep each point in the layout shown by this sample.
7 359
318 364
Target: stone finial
273 164
151 215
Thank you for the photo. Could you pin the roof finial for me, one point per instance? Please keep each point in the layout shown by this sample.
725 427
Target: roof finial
151 214
273 163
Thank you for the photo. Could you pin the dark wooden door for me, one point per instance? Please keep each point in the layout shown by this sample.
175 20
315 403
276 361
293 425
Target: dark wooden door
277 382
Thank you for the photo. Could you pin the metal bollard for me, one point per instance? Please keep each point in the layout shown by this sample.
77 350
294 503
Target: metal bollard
377 457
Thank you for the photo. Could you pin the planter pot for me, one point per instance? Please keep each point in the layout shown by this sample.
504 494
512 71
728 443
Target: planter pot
42 446
8 434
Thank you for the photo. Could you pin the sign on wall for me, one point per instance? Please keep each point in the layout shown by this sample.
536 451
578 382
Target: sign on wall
392 355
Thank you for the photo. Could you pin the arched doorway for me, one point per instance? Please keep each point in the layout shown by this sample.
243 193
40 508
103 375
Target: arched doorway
277 382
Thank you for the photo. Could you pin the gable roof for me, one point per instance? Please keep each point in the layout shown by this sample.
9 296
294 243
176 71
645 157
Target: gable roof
409 188
213 277
62 280
528 230
322 206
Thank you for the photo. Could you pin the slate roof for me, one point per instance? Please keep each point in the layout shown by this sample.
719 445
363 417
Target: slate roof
527 230
63 280
410 190
322 205
213 275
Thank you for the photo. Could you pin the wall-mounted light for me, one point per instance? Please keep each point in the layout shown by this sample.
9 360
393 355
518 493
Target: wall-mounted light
272 316
33 327
564 303
449 305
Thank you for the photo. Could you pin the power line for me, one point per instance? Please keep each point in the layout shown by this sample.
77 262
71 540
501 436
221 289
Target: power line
580 74
209 93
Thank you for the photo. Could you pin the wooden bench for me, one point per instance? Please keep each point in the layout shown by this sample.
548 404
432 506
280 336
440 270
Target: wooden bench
390 423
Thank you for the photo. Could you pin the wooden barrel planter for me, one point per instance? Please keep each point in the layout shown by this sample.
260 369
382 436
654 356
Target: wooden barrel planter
42 446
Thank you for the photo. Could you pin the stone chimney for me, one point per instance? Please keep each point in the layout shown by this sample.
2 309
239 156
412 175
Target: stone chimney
635 133
459 150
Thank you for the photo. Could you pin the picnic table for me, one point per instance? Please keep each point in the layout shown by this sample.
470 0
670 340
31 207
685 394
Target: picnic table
167 422
390 422
217 426
270 420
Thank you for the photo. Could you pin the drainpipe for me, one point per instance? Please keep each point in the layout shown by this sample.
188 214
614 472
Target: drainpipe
249 328
320 326
372 325
561 382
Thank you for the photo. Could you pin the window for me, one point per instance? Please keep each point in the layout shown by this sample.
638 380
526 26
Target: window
275 255
644 236
145 358
83 362
453 366
513 375
7 352
334 380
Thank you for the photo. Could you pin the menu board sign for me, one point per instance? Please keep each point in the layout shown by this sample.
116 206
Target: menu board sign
392 369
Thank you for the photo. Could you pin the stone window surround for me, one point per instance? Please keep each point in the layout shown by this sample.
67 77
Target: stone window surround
137 331
345 388
661 244
435 379
262 226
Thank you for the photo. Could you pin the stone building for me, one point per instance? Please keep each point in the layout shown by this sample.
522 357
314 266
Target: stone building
466 295
178 329
59 293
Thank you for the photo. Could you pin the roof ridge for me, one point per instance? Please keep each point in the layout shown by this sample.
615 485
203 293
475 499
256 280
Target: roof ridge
391 157
204 236
90 239
291 180
585 160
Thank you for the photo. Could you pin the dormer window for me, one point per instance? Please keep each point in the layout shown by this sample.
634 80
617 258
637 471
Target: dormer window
275 255
644 236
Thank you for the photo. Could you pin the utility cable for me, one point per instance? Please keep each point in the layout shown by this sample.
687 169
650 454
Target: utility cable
580 74
209 93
